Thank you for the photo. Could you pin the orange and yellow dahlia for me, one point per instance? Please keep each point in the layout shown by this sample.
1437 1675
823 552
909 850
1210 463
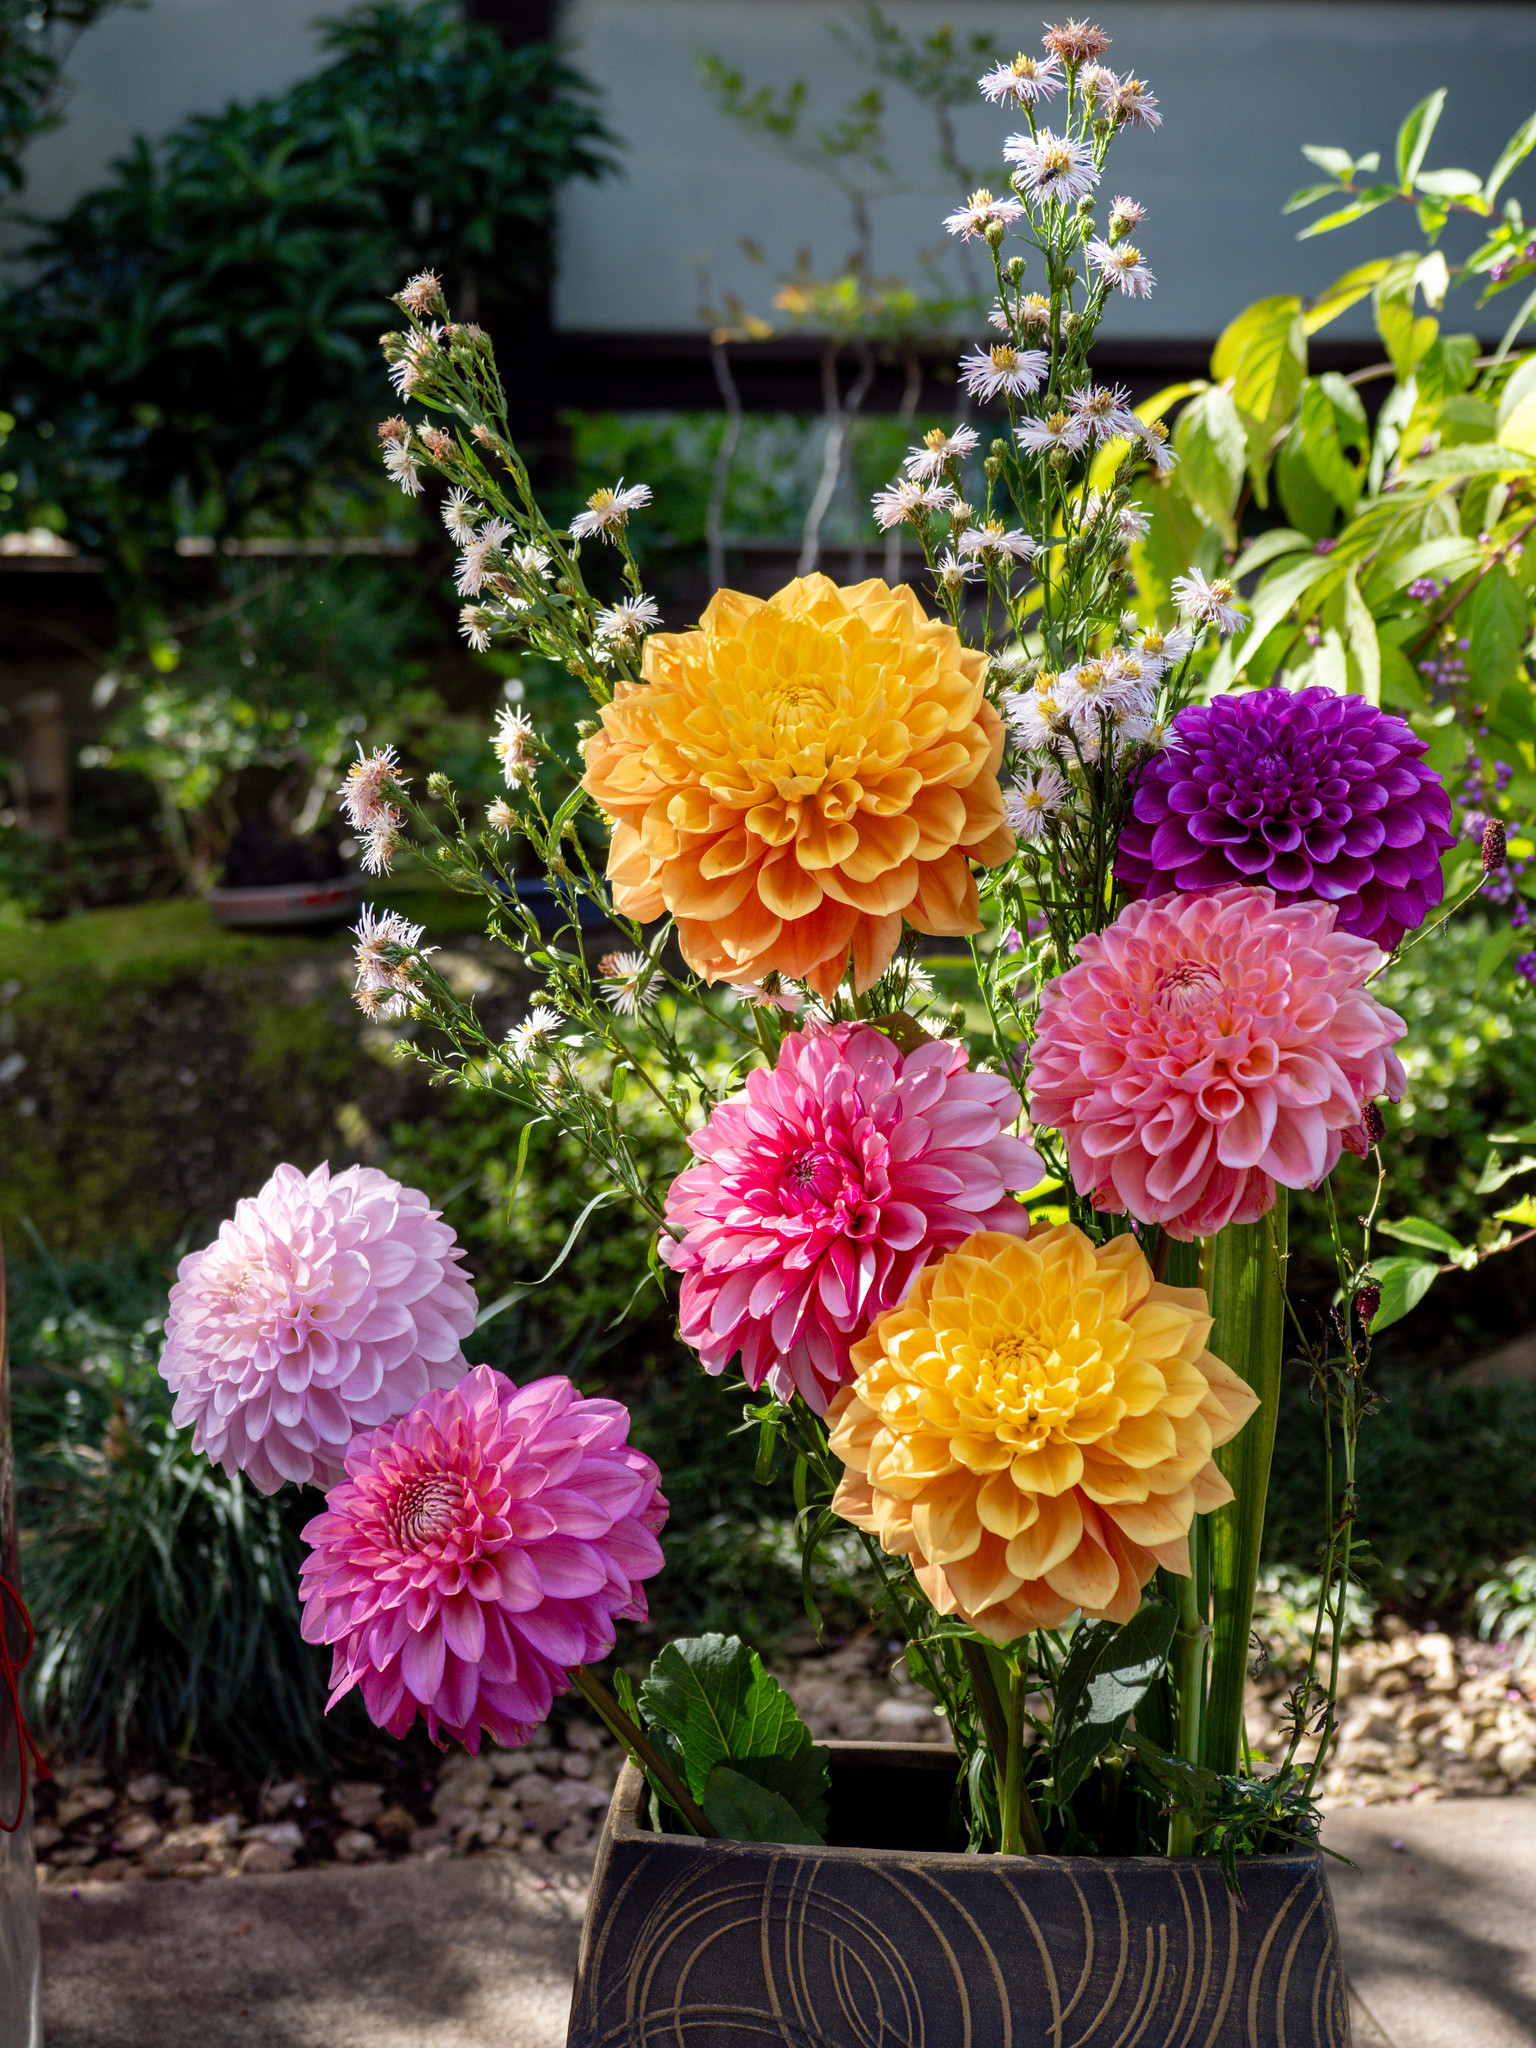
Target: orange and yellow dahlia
1033 1426
797 776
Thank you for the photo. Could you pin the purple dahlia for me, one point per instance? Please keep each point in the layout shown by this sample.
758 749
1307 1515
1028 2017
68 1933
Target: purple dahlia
1306 793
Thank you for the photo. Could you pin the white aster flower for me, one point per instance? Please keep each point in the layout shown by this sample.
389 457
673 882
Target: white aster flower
939 452
630 982
1096 689
513 745
986 373
370 780
1034 800
1125 214
391 981
1036 714
1153 439
757 995
956 570
1131 523
1162 650
1051 167
994 544
461 514
416 352
532 561
1056 430
910 498
1023 83
1130 103
423 295
1034 311
477 625
402 468
380 840
980 212
1210 603
628 619
481 558
1121 266
1106 412
608 512
535 1035
500 816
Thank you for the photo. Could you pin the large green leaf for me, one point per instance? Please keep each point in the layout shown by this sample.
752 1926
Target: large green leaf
1413 136
1344 292
1109 1668
1403 1283
712 1694
1212 450
745 1811
1263 355
1407 337
1500 629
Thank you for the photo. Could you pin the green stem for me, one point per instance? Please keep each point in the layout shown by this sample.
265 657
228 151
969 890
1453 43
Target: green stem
1188 1662
642 1749
1021 1830
1247 1288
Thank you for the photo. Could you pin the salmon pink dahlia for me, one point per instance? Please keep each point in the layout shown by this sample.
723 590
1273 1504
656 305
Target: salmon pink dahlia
797 777
477 1552
1206 1047
324 1306
821 1190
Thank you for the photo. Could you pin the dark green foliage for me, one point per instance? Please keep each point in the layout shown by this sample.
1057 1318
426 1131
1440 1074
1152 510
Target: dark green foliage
195 344
35 40
1108 1670
1447 1486
165 1594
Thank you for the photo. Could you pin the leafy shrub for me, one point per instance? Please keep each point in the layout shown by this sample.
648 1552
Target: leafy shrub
1506 1606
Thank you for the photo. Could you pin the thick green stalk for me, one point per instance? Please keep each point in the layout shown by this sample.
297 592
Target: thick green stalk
1021 1834
641 1748
1245 1267
1187 1660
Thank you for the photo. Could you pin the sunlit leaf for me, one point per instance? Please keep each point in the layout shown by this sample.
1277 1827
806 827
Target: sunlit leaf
1414 135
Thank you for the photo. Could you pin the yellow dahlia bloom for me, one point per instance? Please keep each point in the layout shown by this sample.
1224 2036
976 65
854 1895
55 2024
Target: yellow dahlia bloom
797 776
1033 1426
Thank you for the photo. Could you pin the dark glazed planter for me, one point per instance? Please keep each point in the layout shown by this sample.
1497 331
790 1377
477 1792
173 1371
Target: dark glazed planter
692 1944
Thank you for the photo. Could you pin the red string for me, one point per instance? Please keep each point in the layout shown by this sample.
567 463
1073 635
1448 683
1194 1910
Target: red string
9 1674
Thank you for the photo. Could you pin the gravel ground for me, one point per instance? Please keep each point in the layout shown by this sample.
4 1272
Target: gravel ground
1423 1716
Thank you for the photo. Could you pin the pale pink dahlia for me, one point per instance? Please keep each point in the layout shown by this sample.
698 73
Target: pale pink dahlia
823 1188
478 1550
1206 1047
324 1306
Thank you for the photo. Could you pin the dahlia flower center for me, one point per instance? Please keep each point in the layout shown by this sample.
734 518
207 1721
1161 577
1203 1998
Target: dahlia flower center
425 1508
1189 986
1015 1383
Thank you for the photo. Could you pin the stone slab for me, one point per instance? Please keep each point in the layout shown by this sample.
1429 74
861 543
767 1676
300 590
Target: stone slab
1439 1921
476 1953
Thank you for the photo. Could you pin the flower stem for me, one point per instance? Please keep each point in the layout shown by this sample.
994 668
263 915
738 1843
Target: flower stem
1247 1288
1188 1663
642 1749
1021 1830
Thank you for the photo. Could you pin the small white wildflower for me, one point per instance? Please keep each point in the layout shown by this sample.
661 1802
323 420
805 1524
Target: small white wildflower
416 352
480 558
1209 602
908 498
1164 650
994 544
1096 689
608 511
461 515
1124 215
987 372
1036 714
629 981
423 295
1106 412
1034 800
756 994
380 840
532 560
1024 83
980 212
386 986
1131 523
1122 268
1130 102
1056 430
939 452
402 468
628 619
500 816
535 1035
513 745
1153 438
956 570
1051 167
477 625
370 777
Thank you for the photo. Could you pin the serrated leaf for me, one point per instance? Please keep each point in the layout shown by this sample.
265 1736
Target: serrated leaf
712 1694
745 1811
1413 137
1108 1668
1404 1284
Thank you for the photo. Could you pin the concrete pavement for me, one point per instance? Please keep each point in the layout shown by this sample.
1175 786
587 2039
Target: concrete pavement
1439 1939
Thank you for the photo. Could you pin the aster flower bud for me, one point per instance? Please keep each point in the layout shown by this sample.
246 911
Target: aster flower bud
993 467
1493 846
1013 270
994 233
438 785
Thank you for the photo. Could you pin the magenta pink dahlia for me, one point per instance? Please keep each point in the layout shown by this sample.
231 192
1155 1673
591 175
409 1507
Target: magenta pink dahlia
821 1191
478 1550
324 1306
1305 792
1206 1047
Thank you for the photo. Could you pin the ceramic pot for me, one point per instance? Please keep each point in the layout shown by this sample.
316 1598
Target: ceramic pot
869 1943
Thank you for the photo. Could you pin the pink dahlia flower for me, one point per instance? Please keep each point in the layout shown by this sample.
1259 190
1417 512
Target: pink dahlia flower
823 1189
1206 1047
324 1306
478 1550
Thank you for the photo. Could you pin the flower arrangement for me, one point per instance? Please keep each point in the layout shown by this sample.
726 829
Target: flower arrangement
1005 1279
